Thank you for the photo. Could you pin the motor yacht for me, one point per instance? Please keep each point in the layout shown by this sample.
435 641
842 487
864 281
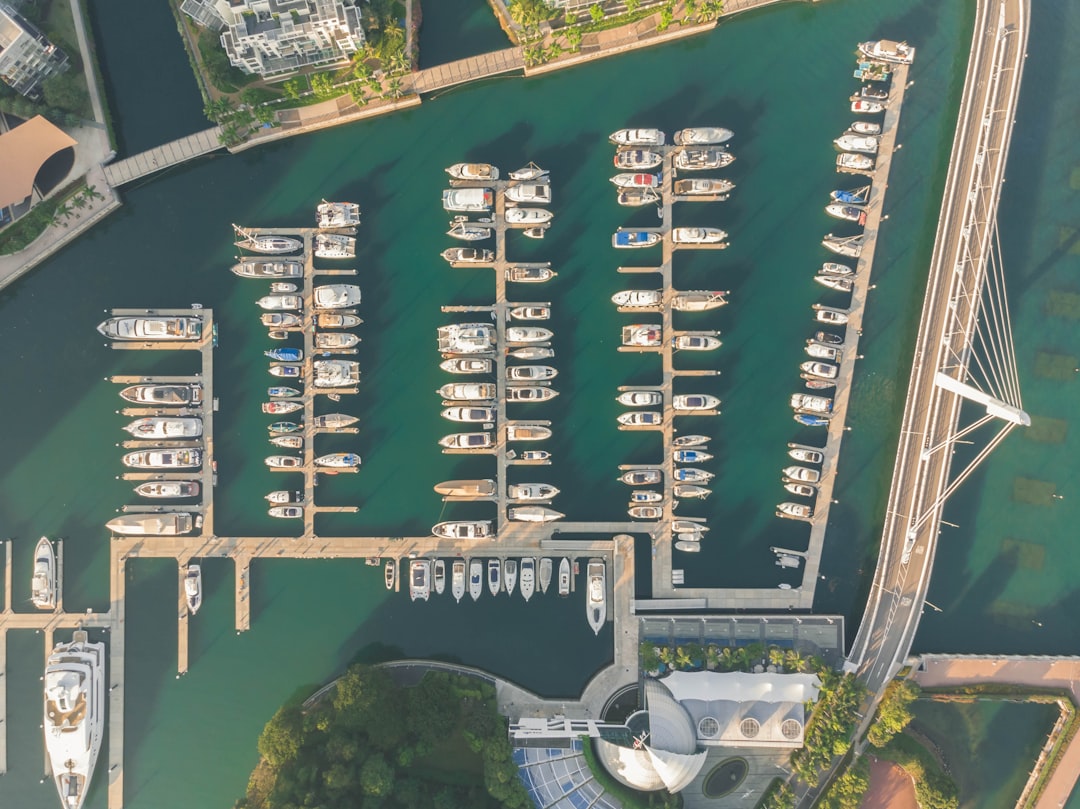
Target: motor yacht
703 159
531 313
527 432
165 428
43 580
283 462
462 529
823 314
457 579
536 193
692 402
637 159
640 398
284 497
865 144
698 235
530 394
854 162
703 136
527 577
173 489
473 172
701 300
887 50
468 200
824 370
531 491
164 395
703 187
799 511
641 418
438 575
164 459
545 574
832 282
564 577
646 512
808 403
636 197
468 255
629 179
533 514
637 137
336 320
596 601
152 329
259 268
527 216
530 373
467 441
476 579
281 302
466 488
529 275
865 107
335 341
509 575
390 574
641 477
461 365
336 296
419 579
163 525
469 414
638 298
695 342
494 576
801 474
467 391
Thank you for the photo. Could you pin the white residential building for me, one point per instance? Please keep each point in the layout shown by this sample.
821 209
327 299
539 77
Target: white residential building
27 57
277 37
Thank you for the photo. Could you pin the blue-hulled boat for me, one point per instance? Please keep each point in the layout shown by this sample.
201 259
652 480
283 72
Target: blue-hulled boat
691 456
854 196
808 420
285 354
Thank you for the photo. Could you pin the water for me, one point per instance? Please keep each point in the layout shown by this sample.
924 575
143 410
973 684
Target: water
456 29
778 78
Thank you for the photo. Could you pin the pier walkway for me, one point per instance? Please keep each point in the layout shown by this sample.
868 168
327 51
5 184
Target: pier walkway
463 71
162 157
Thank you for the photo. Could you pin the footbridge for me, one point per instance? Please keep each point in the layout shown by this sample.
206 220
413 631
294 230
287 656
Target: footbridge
162 157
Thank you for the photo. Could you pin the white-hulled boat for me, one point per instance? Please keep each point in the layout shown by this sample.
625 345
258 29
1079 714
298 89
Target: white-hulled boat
820 351
686 441
687 546
642 335
466 338
152 329
529 172
284 497
689 526
801 474
865 144
336 320
438 574
468 231
832 268
596 600
286 370
699 300
865 128
531 353
529 275
536 492
334 245
694 401
854 162
530 373
283 461
695 342
337 214
801 489
457 579
638 298
636 197
528 393
462 529
469 414
268 243
824 314
698 235
691 456
164 395
494 576
158 525
641 418
468 255
509 575
466 488
824 370
335 373
473 172
281 320
640 398
849 213
888 50
257 268
159 427
636 180
866 107
527 576
646 512
564 577
531 313
832 282
703 136
476 578
804 454
419 579
288 303
703 159
336 296
390 574
535 232
527 432
168 488
807 403
688 490
468 200
545 574
74 715
637 159
462 365
527 216
43 581
338 460
631 239
850 246
637 137
703 187
689 474
467 441
163 459
799 511
467 391
533 514
335 341
528 334
641 477
639 496
537 193
193 588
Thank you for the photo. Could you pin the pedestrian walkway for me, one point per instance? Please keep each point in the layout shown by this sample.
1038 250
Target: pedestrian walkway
162 157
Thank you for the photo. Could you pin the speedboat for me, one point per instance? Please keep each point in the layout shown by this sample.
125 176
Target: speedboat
43 589
467 441
269 243
641 477
164 395
466 488
467 391
338 460
285 354
158 427
168 488
152 329
468 200
703 136
473 172
336 296
257 268
888 50
334 320
801 474
822 352
564 577
703 159
469 414
535 232
281 302
193 588
284 497
832 282
642 335
685 491
282 287
530 373
811 420
528 334
816 383
529 172
850 246
531 353
866 144
854 196
629 239
463 365
334 245
639 496
74 715
468 255
335 341
849 213
533 514
637 159
527 432
808 403
439 576
419 579
688 402
801 489
390 574
462 529
529 194
826 315
545 574
690 441
509 575
699 300
695 342
468 231
865 128
689 474
531 491
335 373
832 268
527 574
596 603
697 235
799 511
827 338
530 394
805 454
476 578
640 398
529 275
158 525
334 421
637 137
466 338
527 216
337 214
636 197
281 320
164 459
702 187
457 579
531 313
534 455
282 392
861 105
645 512
636 180
690 456
824 370
287 371
638 298
494 576
855 162
689 527
687 546
641 418
283 462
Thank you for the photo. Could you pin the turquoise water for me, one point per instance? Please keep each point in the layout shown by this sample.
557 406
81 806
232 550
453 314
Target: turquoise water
455 29
778 78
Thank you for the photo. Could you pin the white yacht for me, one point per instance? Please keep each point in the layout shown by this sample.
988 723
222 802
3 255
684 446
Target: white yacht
856 162
529 275
278 303
480 440
467 391
596 600
164 459
494 576
527 577
462 529
157 525
335 341
640 398
641 418
466 338
641 477
531 353
527 432
529 172
805 454
152 329
509 575
703 136
533 514
164 395
267 243
43 583
531 313
528 334
457 579
527 216
462 228
337 214
637 159
466 488
473 172
638 298
698 235
74 714
338 460
419 579
689 402
165 427
703 159
469 414
866 144
528 393
476 579
193 588
699 300
642 335
438 576
168 488
260 268
536 492
535 193
545 574
468 200
801 474
637 137
695 342
703 187
888 50
531 373
798 511
564 577
462 365
336 296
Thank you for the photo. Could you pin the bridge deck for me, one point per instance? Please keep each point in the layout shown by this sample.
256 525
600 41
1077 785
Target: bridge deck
162 157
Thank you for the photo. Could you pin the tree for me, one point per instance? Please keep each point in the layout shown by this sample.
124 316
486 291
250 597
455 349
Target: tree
322 84
433 709
66 90
293 89
712 656
282 737
650 658
596 12
682 658
632 6
394 89
529 13
666 16
377 777
794 661
893 714
847 791
776 656
573 39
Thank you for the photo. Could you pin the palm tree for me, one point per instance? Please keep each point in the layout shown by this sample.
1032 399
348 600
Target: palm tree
776 657
793 661
78 201
394 88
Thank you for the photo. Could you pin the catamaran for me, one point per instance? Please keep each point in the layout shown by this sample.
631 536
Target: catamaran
337 214
334 245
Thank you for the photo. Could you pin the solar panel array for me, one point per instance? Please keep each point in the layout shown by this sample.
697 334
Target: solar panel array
559 778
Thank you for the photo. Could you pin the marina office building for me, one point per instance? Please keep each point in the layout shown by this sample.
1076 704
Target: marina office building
27 57
277 37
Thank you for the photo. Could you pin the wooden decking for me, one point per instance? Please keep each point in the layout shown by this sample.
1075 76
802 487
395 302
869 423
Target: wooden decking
162 157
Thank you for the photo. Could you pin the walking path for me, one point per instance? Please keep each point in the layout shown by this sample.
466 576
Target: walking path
162 157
